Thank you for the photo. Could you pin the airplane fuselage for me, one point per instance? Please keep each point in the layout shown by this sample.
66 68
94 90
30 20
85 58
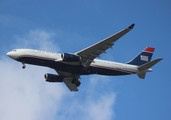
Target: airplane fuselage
53 60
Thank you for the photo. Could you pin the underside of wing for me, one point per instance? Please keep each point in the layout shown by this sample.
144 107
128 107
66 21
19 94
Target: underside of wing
71 80
90 53
70 85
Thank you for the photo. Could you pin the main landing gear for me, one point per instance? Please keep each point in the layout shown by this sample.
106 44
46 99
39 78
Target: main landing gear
24 66
76 82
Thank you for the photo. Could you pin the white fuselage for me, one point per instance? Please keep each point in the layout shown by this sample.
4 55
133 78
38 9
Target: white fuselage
31 56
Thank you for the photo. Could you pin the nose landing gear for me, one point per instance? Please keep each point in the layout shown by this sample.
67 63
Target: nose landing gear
24 66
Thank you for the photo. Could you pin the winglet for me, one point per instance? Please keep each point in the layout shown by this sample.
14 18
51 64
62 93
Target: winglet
131 26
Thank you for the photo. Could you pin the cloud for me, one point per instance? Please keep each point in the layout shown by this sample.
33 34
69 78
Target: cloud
25 94
88 107
37 39
102 108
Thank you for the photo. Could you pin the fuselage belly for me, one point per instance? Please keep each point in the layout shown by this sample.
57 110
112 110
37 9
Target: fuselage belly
74 69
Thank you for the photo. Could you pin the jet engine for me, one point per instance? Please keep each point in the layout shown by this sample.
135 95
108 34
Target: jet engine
53 78
66 57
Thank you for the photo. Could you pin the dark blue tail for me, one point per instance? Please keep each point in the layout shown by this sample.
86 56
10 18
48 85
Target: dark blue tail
143 57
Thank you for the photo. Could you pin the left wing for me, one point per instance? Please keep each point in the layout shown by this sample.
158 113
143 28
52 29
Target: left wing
70 80
90 53
70 85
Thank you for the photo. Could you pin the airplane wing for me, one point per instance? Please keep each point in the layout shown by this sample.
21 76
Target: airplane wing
90 53
68 77
70 85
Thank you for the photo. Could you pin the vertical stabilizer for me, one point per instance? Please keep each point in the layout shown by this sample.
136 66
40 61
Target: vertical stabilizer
142 58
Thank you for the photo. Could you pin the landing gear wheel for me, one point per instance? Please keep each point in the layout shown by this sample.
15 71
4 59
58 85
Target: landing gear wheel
73 81
24 66
78 83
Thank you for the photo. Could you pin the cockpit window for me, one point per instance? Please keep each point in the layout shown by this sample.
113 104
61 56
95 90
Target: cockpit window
14 50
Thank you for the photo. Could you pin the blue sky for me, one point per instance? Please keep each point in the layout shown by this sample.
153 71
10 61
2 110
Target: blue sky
69 26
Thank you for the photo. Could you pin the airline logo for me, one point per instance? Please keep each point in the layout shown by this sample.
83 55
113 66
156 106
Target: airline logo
144 58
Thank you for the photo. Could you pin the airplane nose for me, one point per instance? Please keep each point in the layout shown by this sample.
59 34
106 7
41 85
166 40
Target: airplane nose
8 53
11 55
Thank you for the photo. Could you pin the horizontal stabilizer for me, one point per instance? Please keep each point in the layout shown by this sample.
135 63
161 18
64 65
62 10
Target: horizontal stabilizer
142 75
149 64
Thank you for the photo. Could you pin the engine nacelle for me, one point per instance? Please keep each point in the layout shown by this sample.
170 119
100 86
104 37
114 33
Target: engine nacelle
66 57
53 78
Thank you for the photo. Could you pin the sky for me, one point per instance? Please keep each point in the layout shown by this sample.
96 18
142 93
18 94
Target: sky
70 26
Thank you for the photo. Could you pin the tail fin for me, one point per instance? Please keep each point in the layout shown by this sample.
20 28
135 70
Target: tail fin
142 58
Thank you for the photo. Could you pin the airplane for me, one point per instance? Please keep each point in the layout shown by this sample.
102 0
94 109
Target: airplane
70 66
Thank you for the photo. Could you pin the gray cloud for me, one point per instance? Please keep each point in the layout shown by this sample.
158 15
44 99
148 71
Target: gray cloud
25 95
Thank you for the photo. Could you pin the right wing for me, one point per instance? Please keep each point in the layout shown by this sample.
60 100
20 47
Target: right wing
90 53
